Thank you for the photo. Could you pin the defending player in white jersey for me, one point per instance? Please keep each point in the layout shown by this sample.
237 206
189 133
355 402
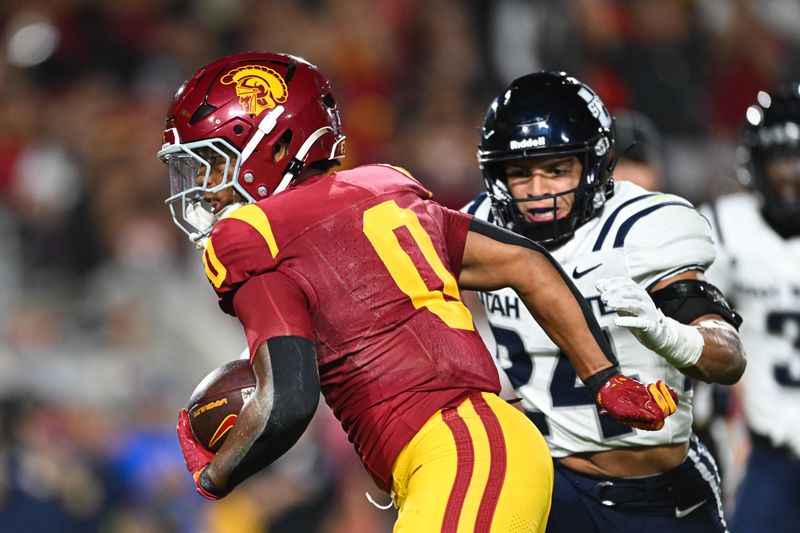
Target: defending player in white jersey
546 152
758 266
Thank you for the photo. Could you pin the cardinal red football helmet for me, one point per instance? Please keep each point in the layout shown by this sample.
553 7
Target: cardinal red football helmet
234 111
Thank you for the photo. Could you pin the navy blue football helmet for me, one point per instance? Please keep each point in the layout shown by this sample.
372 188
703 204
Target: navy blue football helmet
769 156
548 114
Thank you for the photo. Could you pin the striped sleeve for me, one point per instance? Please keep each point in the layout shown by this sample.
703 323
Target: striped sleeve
661 235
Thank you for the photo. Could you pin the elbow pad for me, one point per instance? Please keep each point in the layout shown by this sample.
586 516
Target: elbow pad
688 299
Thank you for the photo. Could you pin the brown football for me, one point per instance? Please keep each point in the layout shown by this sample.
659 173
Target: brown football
216 401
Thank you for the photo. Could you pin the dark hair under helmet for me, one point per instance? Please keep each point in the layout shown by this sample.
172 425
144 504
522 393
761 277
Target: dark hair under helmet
771 133
548 114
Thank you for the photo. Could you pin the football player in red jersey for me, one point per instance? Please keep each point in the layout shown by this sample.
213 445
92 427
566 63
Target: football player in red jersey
349 282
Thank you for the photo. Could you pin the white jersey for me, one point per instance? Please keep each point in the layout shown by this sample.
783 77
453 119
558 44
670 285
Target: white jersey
760 272
645 236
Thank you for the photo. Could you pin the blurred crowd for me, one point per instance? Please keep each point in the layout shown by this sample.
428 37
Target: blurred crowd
106 319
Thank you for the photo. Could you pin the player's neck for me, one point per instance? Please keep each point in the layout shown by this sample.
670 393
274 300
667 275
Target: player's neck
309 173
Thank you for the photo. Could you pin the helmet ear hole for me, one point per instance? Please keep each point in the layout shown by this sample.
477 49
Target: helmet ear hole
281 147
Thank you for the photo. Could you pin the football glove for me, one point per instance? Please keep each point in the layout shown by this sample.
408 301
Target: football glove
678 343
634 404
196 456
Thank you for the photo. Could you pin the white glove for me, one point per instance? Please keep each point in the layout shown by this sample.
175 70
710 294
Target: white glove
678 343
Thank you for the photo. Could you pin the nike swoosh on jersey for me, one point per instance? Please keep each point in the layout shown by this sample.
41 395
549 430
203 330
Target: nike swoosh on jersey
576 274
680 513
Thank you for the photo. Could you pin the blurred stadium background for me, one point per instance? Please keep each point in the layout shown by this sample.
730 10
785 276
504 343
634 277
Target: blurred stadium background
106 320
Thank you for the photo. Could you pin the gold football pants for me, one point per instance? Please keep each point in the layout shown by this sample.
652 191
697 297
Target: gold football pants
481 467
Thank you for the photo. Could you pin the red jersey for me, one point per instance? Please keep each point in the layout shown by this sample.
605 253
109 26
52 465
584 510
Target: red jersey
366 266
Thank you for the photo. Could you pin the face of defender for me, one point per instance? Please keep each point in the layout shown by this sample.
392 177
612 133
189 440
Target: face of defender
544 187
783 172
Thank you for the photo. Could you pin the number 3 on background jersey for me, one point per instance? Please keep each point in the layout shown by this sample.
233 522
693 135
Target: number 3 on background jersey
787 326
380 222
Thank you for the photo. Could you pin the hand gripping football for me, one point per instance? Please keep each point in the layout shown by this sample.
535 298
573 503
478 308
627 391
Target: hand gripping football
216 401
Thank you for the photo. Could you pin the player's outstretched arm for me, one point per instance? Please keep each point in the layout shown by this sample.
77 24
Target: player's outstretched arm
685 320
495 258
270 422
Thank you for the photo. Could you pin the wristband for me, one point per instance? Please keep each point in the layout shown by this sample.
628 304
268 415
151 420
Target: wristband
596 381
206 488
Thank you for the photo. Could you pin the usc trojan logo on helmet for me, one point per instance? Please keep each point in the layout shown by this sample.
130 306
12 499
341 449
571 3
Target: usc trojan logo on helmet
257 87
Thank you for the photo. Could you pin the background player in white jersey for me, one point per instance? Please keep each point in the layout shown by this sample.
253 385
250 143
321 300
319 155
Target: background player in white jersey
546 152
758 265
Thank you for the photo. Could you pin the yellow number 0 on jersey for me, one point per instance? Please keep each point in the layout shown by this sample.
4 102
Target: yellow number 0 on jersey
379 225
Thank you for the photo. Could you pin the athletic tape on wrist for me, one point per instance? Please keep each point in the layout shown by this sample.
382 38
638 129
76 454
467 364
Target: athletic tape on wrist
684 344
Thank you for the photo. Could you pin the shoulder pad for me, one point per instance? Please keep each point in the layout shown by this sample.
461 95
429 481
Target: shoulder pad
480 207
241 245
399 169
662 235
421 191
709 212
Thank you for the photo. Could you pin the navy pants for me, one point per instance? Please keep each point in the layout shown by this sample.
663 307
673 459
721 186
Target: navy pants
768 498
685 499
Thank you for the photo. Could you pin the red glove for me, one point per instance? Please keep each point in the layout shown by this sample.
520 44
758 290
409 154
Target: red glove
196 457
634 404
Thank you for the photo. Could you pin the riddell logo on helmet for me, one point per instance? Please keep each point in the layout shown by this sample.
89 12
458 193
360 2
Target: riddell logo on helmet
258 87
528 143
